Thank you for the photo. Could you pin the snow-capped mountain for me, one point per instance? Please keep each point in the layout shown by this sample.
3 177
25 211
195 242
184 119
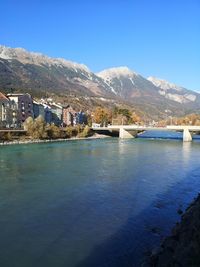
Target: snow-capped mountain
173 92
26 57
126 83
113 76
38 73
154 95
165 85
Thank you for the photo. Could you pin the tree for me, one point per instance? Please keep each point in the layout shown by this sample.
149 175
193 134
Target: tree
53 131
35 128
135 118
39 125
86 132
124 116
119 119
102 116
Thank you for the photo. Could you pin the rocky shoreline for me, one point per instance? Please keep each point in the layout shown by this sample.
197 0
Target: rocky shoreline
182 248
24 142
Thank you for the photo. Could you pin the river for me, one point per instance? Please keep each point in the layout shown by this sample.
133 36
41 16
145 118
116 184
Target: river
92 203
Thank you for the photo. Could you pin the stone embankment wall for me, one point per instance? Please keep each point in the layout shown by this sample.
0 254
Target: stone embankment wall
18 142
182 248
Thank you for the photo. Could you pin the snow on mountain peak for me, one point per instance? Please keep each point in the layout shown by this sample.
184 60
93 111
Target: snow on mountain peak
27 57
121 81
182 95
163 84
116 73
4 52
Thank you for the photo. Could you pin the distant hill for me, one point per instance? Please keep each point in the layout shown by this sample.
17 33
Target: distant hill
40 74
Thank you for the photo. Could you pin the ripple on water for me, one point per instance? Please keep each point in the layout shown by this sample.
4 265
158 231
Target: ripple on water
97 203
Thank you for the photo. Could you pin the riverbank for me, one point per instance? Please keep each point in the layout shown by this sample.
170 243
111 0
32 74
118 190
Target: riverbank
22 142
182 248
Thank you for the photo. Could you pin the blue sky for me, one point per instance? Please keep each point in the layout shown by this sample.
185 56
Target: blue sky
152 37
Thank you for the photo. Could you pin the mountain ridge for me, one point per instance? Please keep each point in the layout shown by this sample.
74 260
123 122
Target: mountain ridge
39 73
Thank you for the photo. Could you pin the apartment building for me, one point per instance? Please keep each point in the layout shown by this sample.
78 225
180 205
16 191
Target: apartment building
24 103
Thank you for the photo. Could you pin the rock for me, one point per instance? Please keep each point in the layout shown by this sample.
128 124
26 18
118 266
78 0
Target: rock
182 248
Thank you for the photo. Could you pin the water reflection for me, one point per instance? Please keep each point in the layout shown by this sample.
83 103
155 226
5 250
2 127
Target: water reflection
187 146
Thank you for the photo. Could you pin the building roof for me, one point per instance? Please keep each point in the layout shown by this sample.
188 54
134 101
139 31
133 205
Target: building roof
65 106
18 94
2 96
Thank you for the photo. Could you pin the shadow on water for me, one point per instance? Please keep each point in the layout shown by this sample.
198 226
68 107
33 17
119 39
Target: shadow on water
132 244
122 249
131 247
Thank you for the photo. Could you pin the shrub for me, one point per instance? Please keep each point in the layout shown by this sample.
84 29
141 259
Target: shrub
7 136
53 131
85 132
69 131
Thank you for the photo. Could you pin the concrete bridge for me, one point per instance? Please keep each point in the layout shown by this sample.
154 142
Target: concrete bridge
130 131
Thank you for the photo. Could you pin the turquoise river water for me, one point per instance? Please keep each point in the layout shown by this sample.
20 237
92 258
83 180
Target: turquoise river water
92 203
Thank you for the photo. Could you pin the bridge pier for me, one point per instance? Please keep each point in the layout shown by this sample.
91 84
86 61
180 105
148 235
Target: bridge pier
131 131
124 134
187 137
